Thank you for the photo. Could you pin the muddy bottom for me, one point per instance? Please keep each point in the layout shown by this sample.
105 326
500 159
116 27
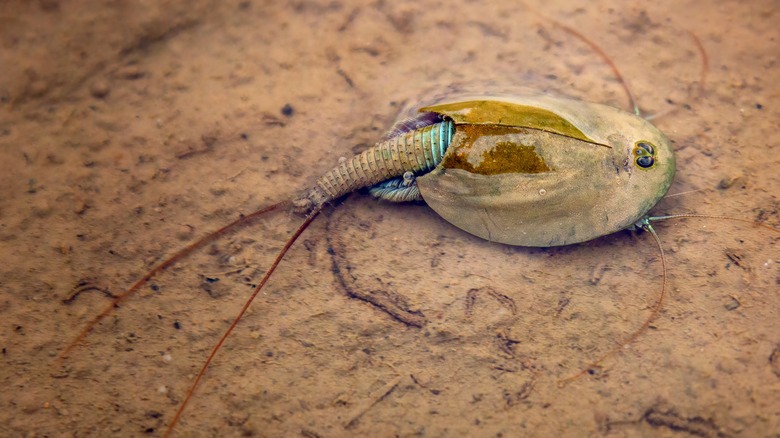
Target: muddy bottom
128 131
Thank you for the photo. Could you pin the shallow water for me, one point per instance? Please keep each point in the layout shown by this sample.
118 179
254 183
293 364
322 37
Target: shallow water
126 133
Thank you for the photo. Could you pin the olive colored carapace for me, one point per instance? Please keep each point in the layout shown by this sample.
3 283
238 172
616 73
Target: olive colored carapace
583 170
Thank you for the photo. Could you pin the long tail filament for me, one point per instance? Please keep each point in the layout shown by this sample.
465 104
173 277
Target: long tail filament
238 317
165 264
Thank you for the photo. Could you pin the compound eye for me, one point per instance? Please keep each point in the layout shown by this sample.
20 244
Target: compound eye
647 147
644 151
645 162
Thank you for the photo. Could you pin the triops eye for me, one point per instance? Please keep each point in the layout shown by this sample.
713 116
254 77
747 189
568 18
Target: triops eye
647 147
645 162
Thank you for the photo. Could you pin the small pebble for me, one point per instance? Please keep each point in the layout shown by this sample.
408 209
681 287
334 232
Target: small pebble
99 89
218 189
80 207
131 72
727 182
37 88
733 304
31 402
41 208
185 232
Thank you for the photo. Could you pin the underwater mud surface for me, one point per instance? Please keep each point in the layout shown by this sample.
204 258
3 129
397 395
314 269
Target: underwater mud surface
129 130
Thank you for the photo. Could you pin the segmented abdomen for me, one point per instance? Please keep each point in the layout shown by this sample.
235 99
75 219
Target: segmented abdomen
417 151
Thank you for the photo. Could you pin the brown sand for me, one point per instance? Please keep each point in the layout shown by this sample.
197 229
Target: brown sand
129 129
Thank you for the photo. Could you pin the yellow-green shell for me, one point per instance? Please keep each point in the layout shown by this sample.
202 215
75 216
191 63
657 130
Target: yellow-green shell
545 171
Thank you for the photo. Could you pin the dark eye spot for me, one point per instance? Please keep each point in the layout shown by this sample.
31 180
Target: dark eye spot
645 162
647 147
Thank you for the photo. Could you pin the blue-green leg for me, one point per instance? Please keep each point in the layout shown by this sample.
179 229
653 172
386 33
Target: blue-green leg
402 189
